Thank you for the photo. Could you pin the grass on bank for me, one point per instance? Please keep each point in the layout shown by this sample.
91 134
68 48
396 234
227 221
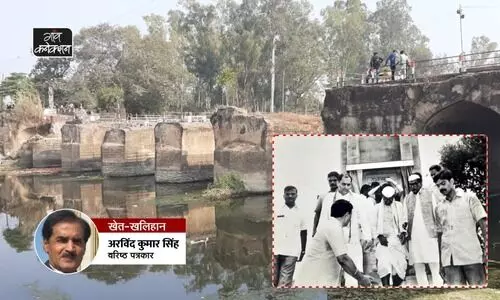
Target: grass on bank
225 187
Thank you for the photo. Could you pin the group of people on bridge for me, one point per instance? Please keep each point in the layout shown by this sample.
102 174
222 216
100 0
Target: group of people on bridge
396 65
374 236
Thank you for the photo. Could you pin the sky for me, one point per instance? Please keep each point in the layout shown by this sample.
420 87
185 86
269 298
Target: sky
436 18
321 155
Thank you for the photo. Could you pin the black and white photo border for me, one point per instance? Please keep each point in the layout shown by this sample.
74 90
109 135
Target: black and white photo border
381 135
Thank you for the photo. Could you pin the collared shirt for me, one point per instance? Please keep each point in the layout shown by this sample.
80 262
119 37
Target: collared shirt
288 224
457 220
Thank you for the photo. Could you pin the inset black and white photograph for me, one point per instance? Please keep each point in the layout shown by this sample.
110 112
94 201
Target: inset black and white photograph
387 211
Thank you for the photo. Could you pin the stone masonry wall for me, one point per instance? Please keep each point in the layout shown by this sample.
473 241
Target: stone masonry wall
128 152
47 153
184 152
81 147
243 143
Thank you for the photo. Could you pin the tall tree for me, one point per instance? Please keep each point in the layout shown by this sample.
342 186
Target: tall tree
482 50
52 72
16 83
152 70
395 29
346 37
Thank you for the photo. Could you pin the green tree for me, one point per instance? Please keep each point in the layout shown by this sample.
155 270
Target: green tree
152 71
346 37
110 98
394 29
482 51
52 72
197 23
467 161
16 84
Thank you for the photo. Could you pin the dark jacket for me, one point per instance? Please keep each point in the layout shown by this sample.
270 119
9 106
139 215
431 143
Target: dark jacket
375 62
392 59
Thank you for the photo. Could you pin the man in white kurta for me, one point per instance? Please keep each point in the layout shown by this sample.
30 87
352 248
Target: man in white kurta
358 232
390 252
420 205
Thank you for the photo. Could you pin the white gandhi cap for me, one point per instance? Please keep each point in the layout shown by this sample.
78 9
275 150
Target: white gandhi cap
388 191
413 177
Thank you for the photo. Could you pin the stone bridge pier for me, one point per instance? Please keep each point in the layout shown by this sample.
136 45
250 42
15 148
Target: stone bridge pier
128 152
184 152
464 104
243 143
81 147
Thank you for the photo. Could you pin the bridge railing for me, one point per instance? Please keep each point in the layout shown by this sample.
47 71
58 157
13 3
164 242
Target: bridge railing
151 120
426 69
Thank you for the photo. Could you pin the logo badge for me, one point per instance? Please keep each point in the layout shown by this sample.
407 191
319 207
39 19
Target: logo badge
52 42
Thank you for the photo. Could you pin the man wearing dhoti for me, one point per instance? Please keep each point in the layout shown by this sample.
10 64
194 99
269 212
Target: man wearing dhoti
327 254
457 216
391 252
419 206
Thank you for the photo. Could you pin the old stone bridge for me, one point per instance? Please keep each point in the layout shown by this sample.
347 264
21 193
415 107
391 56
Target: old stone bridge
461 104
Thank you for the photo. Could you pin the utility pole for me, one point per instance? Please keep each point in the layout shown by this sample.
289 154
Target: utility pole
275 38
283 92
461 15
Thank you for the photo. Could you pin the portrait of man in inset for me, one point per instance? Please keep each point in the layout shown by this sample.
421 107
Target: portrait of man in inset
66 242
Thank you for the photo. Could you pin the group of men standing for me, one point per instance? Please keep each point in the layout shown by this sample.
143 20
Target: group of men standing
393 60
372 237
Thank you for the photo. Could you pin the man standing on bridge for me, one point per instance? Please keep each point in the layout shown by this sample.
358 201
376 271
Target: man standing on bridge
392 61
375 63
404 62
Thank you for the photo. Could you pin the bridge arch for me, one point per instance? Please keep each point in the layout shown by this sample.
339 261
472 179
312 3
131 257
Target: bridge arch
470 118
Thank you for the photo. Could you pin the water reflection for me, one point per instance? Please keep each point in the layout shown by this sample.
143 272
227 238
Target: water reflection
228 245
228 250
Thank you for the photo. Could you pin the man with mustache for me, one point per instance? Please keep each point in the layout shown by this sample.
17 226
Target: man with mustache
457 216
65 237
290 231
326 200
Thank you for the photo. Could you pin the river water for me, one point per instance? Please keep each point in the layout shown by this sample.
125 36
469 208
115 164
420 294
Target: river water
228 250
